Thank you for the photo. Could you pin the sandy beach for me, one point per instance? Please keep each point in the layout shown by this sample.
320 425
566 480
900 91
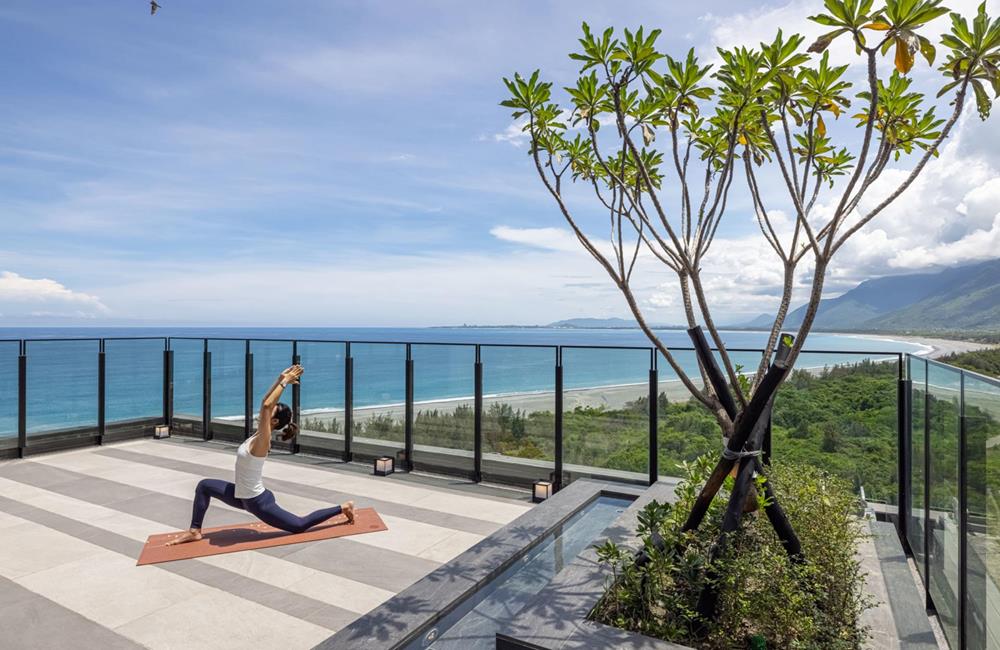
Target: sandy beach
938 347
609 397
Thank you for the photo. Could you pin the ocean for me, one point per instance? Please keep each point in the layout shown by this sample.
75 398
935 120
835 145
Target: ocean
62 374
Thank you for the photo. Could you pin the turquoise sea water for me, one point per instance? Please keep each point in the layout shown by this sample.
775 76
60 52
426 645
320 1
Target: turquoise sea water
62 374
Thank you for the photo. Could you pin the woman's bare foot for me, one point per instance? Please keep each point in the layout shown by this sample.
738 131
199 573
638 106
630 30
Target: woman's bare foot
348 510
192 535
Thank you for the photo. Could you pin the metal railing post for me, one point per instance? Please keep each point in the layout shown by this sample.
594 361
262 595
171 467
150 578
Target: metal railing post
168 387
348 403
206 393
296 397
929 604
408 411
22 400
654 418
963 519
558 473
904 404
102 427
248 392
477 470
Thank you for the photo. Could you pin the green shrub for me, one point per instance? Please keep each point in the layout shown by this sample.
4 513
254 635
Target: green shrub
812 604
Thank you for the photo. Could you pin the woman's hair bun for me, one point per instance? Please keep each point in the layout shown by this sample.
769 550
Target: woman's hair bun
290 431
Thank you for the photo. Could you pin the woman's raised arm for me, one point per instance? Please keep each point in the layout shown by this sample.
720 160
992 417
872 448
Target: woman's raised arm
262 441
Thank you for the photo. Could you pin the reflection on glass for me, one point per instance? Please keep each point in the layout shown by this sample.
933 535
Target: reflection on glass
918 420
518 413
606 413
228 388
982 436
944 386
62 387
443 406
133 371
269 359
379 393
9 353
841 417
685 427
322 395
189 371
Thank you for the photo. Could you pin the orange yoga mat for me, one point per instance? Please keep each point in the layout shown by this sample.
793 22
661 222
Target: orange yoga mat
243 537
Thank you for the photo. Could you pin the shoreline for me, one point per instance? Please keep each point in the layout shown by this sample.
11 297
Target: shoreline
610 396
936 347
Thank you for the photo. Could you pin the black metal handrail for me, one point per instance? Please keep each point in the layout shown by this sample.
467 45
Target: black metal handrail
905 421
407 346
932 568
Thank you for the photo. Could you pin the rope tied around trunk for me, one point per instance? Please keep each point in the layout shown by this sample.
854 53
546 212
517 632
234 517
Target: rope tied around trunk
729 454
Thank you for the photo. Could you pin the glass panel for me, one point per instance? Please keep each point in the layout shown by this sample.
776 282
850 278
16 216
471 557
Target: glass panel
686 429
62 389
379 398
982 436
943 404
189 371
444 409
839 413
606 414
228 388
9 353
519 403
322 396
133 376
269 359
918 427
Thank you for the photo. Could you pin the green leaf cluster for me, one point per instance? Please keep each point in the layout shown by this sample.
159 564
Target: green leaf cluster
815 604
627 81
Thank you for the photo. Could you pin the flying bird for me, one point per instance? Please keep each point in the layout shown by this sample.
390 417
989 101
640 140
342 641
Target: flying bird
153 7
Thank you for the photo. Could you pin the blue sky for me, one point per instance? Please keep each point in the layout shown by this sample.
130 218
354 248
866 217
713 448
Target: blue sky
344 163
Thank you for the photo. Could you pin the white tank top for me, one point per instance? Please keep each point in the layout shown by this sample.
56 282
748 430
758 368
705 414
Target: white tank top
249 472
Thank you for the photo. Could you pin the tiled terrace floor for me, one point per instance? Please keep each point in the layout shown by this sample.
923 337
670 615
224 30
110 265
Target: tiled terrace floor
72 525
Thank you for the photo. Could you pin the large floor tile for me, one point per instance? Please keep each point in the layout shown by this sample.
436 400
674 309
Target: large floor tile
28 548
212 622
32 622
110 589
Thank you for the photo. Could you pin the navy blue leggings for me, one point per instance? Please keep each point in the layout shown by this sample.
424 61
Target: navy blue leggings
261 506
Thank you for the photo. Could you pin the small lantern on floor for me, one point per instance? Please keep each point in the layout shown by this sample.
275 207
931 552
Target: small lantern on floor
161 431
383 466
541 490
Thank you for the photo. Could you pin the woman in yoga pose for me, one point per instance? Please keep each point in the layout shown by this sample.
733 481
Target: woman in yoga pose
248 492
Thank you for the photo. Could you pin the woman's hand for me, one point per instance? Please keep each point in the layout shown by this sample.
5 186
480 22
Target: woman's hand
291 375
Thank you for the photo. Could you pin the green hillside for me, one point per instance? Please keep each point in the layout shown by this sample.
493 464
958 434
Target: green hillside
985 362
965 298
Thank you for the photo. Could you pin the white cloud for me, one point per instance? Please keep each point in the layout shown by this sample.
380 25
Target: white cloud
22 295
750 28
948 216
418 66
514 133
555 239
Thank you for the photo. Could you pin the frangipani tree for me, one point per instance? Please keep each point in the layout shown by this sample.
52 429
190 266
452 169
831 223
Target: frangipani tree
661 143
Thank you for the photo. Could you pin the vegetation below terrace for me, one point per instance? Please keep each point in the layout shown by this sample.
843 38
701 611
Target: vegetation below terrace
842 419
985 362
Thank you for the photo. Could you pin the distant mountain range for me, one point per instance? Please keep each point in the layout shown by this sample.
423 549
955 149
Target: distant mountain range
963 298
605 323
959 298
